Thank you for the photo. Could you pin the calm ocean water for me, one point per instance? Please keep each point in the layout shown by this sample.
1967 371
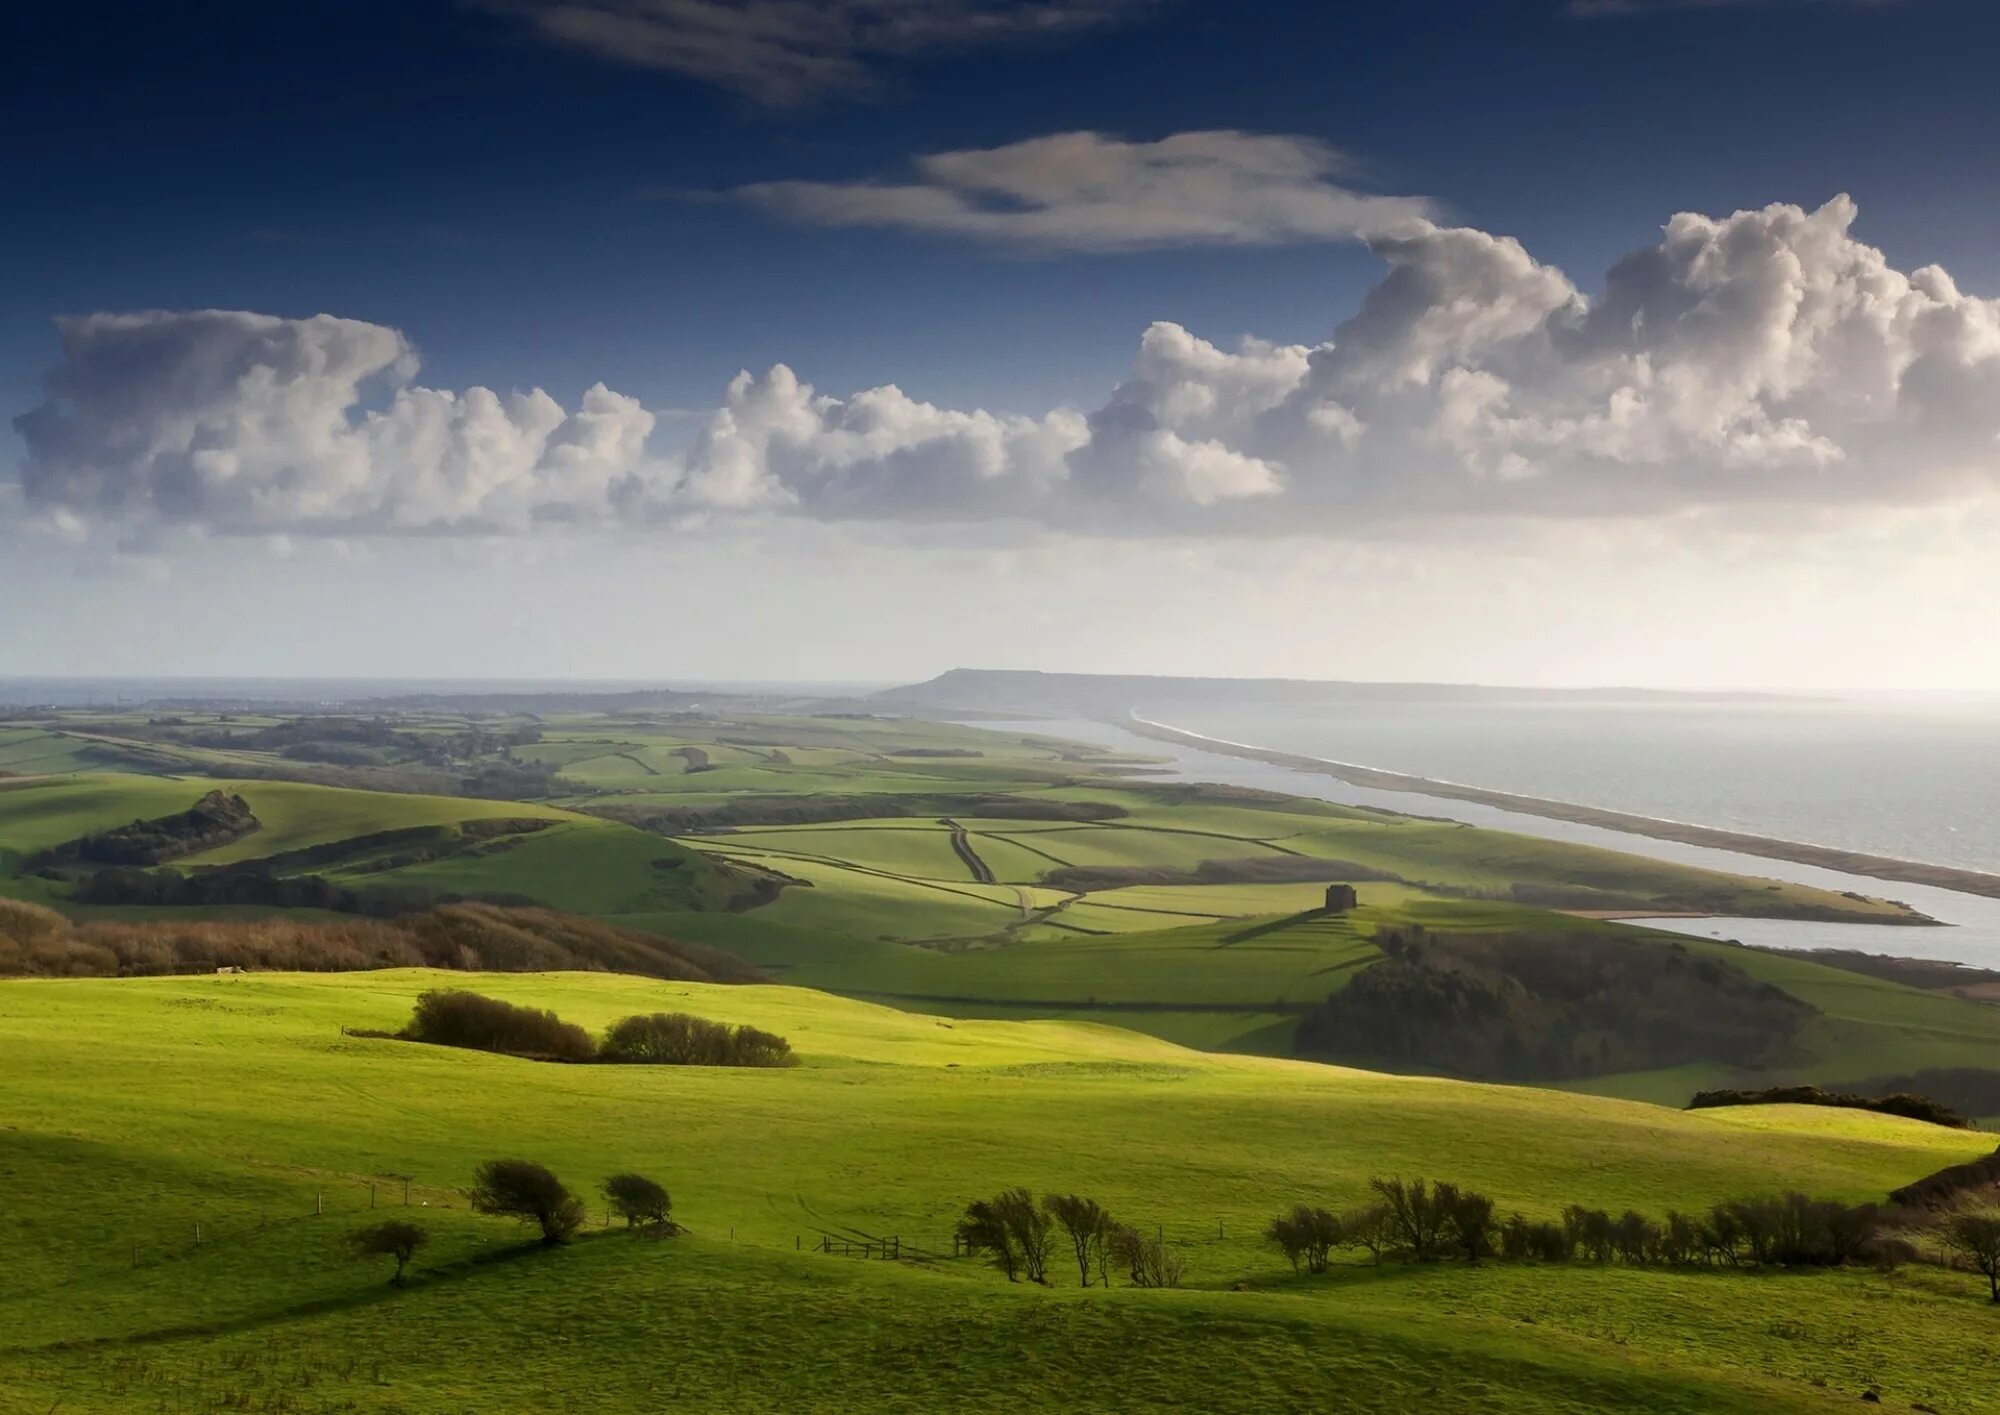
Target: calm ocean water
1972 922
1914 781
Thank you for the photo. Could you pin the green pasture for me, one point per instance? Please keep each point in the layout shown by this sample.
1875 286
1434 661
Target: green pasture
138 1107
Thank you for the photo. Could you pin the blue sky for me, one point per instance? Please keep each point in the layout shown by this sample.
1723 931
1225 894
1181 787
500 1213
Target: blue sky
531 212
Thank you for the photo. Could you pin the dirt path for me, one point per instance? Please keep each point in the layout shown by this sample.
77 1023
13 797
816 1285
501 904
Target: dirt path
961 845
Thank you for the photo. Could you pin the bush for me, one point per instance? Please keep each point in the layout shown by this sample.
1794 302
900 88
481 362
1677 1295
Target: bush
529 1192
453 1018
678 1039
1972 1235
1306 1236
1522 1241
1421 1218
394 1239
1149 1262
639 1201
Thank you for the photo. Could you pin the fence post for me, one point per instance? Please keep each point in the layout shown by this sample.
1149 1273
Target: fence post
798 1242
197 1233
319 1205
371 1194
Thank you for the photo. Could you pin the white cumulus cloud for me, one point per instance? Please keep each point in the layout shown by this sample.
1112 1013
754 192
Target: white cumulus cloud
245 422
1764 364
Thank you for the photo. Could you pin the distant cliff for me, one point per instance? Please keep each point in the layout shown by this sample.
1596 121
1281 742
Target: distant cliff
1099 695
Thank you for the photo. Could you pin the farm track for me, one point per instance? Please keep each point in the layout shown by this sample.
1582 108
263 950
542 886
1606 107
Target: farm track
961 845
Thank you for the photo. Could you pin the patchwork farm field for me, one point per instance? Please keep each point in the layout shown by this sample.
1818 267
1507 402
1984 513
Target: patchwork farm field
935 867
261 1119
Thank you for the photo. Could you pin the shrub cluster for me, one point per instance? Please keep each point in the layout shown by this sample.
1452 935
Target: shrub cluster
1019 1235
678 1039
454 1018
1420 1221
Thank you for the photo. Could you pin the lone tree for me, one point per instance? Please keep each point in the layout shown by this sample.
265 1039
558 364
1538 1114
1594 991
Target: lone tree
527 1191
1087 1225
639 1201
394 1239
1973 1234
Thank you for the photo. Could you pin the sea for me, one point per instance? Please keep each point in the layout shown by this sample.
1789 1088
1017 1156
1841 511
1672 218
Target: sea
1916 780
1913 780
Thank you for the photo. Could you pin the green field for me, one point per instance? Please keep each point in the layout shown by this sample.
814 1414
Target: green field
949 883
253 1105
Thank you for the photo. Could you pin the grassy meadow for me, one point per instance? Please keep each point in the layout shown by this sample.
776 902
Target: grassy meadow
962 871
136 1108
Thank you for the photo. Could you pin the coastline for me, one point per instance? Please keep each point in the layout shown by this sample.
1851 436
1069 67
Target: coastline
1856 862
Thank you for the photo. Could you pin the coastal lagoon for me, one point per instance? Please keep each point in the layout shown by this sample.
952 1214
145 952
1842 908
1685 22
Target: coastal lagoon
1971 923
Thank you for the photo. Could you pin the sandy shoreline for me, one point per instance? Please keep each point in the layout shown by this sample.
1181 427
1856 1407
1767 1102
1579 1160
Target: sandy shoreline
1856 862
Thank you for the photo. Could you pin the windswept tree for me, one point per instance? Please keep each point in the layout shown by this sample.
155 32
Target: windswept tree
1306 1236
529 1192
394 1239
1149 1262
1419 1216
1087 1226
984 1229
1972 1235
1368 1229
1469 1220
1032 1230
639 1201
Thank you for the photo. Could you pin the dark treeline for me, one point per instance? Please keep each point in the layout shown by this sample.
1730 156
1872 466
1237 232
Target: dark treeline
1428 1221
259 888
467 937
1912 1107
457 1018
1969 1090
1518 1007
216 819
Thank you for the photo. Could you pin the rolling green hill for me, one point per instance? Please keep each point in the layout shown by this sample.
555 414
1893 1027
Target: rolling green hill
940 868
138 1107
